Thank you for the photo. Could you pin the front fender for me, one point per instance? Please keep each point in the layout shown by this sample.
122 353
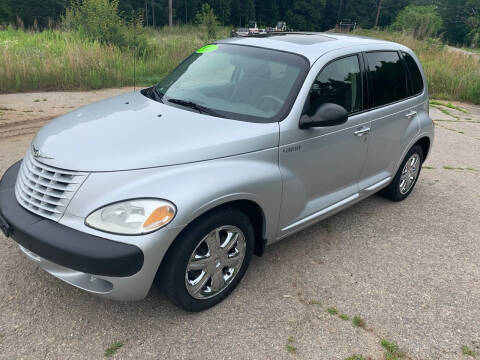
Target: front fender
194 188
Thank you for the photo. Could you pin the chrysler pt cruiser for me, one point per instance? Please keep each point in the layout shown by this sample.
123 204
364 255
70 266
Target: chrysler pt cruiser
246 142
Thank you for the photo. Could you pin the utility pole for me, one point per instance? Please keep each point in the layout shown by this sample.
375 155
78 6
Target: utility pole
153 14
170 13
340 11
146 13
378 12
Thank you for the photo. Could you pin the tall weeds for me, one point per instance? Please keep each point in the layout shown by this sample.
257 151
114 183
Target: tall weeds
59 60
451 75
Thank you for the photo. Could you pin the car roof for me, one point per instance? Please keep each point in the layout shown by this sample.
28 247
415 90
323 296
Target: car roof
309 44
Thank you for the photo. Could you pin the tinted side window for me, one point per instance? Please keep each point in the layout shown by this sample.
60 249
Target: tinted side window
340 83
415 74
387 77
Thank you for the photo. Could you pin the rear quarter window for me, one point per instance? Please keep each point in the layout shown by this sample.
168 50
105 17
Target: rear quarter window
415 74
387 77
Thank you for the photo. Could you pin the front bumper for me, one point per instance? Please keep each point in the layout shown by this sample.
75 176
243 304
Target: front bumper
63 245
113 269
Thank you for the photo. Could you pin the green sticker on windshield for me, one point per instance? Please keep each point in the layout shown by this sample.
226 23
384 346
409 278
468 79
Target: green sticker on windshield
207 48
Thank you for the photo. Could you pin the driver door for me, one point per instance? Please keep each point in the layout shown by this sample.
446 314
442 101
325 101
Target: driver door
321 166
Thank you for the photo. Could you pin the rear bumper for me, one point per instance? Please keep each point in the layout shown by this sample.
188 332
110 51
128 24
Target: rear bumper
62 245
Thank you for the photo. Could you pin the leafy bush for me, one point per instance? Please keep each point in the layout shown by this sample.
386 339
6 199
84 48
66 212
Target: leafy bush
473 36
99 20
422 21
208 21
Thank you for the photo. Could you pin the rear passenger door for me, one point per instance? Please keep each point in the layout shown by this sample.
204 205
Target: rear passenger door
393 111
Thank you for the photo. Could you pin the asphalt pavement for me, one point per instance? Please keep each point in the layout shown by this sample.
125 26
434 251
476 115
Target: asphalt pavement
405 272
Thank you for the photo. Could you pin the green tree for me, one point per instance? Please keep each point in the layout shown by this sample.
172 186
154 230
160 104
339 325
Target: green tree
361 11
453 14
473 23
44 12
422 21
242 12
222 9
100 20
306 14
390 10
267 12
5 12
208 21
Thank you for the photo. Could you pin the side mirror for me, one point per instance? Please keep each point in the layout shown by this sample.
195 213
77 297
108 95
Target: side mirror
327 115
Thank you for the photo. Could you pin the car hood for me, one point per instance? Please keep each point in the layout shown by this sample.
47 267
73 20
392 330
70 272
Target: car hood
131 131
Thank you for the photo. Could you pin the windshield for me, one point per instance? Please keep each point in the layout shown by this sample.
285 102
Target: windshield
236 82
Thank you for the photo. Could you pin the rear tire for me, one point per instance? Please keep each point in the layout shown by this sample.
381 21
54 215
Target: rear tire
208 259
407 175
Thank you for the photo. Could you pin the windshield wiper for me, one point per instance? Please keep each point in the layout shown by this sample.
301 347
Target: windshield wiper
157 94
153 93
192 105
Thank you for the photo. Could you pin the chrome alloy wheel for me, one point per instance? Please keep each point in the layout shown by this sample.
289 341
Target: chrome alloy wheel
215 262
409 173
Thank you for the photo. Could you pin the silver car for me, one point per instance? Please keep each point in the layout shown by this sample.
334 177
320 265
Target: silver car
246 142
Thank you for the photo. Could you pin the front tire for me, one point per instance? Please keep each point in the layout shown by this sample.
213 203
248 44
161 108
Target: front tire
407 175
208 259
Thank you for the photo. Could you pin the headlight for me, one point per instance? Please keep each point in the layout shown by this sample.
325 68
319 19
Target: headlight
132 217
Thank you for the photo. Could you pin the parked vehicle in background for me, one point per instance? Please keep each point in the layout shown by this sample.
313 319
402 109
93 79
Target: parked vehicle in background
246 142
346 26
252 28
239 32
281 27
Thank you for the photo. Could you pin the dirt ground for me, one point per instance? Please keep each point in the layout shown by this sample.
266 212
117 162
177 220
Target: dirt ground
463 51
409 271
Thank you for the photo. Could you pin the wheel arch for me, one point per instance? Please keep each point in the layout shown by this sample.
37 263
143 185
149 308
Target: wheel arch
424 143
249 207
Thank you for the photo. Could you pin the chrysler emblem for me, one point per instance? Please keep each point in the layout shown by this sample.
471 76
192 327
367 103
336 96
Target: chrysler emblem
38 155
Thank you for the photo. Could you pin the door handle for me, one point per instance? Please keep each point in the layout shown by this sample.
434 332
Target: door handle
411 114
362 131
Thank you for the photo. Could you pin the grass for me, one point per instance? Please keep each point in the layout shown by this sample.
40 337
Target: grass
355 357
445 111
59 60
467 351
392 350
446 167
446 127
290 347
448 105
112 349
315 302
358 322
451 75
332 311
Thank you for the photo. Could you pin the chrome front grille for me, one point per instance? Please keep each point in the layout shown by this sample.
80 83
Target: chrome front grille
45 190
